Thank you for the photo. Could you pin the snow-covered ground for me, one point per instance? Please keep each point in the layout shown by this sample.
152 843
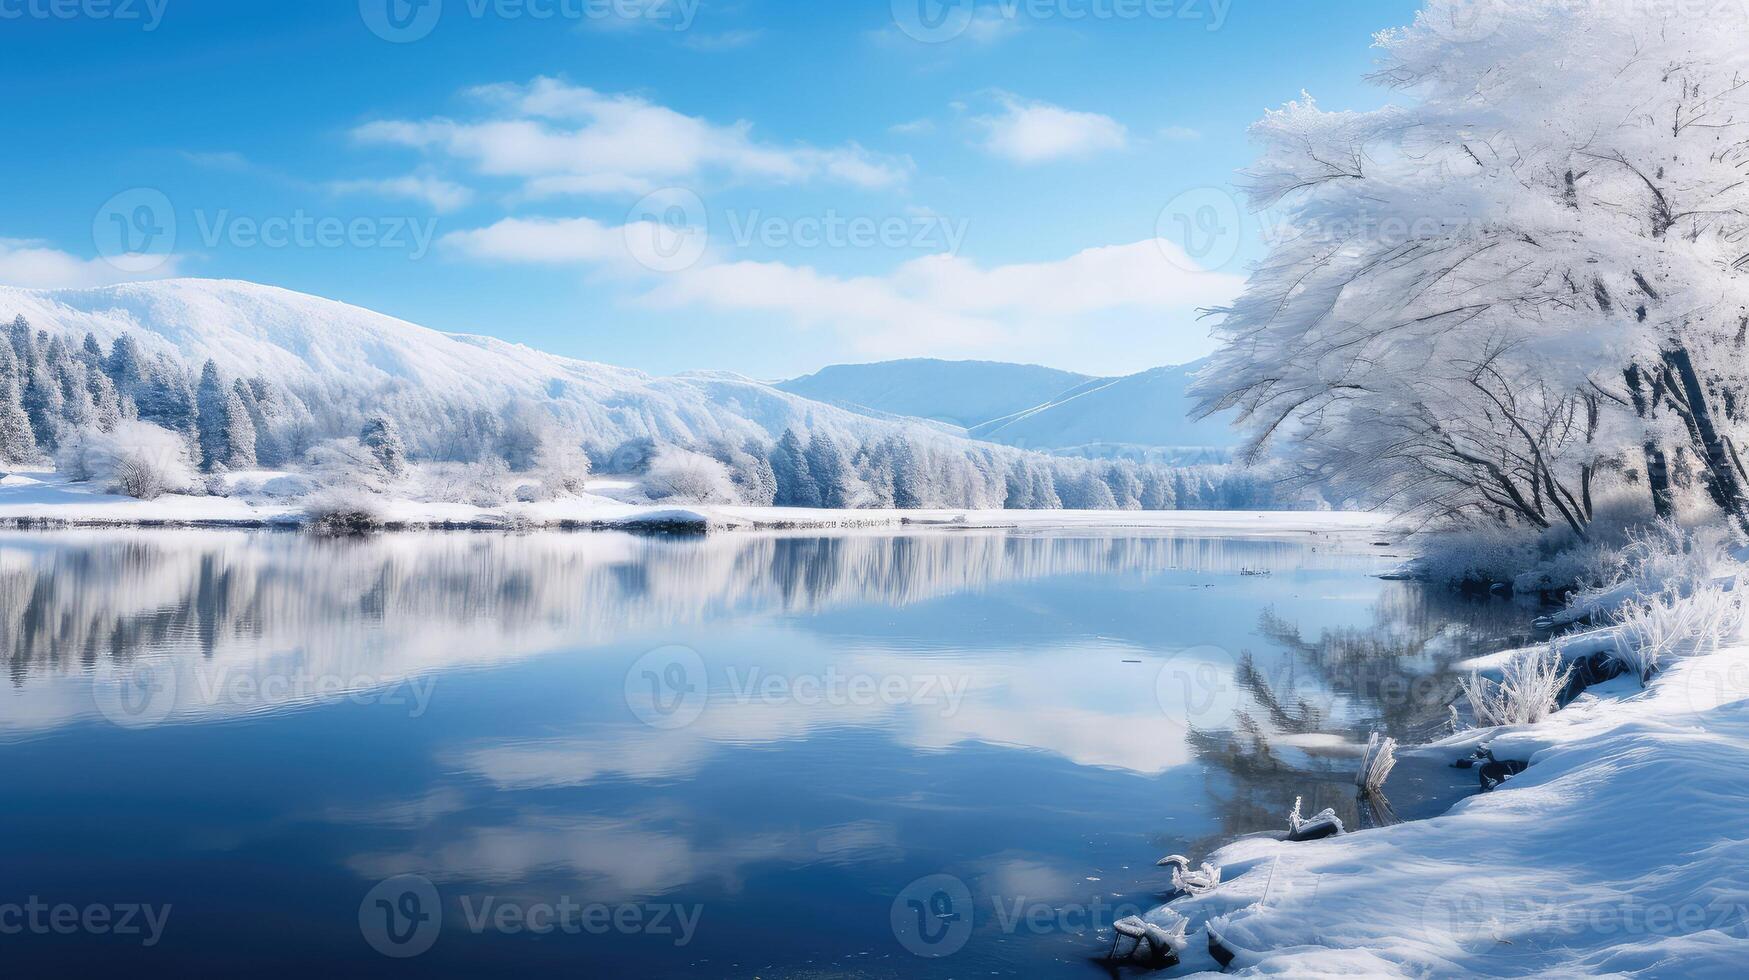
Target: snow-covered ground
1622 850
44 497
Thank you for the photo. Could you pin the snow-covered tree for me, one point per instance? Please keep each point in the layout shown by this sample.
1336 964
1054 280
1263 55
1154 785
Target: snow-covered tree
562 466
795 482
213 418
684 476
831 473
382 437
1525 277
239 432
17 440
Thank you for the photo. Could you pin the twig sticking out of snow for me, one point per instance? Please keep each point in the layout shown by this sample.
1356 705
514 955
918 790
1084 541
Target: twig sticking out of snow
1527 692
1376 762
1196 883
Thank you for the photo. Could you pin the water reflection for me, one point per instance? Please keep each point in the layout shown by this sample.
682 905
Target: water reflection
784 729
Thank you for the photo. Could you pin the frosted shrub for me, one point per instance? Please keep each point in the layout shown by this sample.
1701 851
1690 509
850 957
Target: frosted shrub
1657 629
1527 692
341 515
1664 555
680 475
346 464
136 458
1376 762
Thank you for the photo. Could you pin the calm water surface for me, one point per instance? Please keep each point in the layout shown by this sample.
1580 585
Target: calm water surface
867 755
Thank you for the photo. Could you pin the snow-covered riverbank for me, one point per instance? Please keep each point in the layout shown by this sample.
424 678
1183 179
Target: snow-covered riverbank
42 499
1619 851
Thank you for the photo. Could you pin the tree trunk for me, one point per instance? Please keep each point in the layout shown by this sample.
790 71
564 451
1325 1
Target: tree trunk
1715 453
1657 464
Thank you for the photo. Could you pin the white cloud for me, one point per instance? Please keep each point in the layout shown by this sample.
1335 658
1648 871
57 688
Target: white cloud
549 130
441 195
1180 134
1113 309
32 265
542 241
1038 132
1146 292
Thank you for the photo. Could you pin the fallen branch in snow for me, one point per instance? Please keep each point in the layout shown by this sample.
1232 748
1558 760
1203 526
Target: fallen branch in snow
1324 823
1196 883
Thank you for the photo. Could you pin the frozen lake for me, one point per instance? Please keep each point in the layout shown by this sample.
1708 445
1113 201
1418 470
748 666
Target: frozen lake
935 753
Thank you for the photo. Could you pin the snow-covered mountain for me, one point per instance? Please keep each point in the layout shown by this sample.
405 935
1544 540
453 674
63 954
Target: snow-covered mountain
959 393
344 362
1031 407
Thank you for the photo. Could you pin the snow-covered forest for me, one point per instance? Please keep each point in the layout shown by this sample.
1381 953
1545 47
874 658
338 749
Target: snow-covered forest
147 424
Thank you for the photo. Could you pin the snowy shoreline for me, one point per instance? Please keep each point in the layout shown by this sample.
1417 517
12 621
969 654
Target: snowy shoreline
41 501
1616 851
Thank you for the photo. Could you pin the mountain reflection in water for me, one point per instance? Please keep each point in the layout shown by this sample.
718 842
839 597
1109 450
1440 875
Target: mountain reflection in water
784 729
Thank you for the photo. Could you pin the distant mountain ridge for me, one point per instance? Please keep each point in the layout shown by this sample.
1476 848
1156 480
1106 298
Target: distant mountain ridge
1032 407
960 393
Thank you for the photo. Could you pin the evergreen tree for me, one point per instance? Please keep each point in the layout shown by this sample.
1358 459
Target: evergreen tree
239 433
256 399
830 471
17 440
125 367
789 464
213 418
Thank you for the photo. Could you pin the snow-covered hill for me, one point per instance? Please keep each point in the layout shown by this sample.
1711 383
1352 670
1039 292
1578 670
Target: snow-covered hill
1031 407
344 361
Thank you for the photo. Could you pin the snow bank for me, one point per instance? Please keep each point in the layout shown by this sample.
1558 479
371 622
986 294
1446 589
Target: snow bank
1620 850
46 498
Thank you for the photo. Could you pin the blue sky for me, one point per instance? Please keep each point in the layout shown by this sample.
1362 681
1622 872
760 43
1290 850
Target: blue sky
760 186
